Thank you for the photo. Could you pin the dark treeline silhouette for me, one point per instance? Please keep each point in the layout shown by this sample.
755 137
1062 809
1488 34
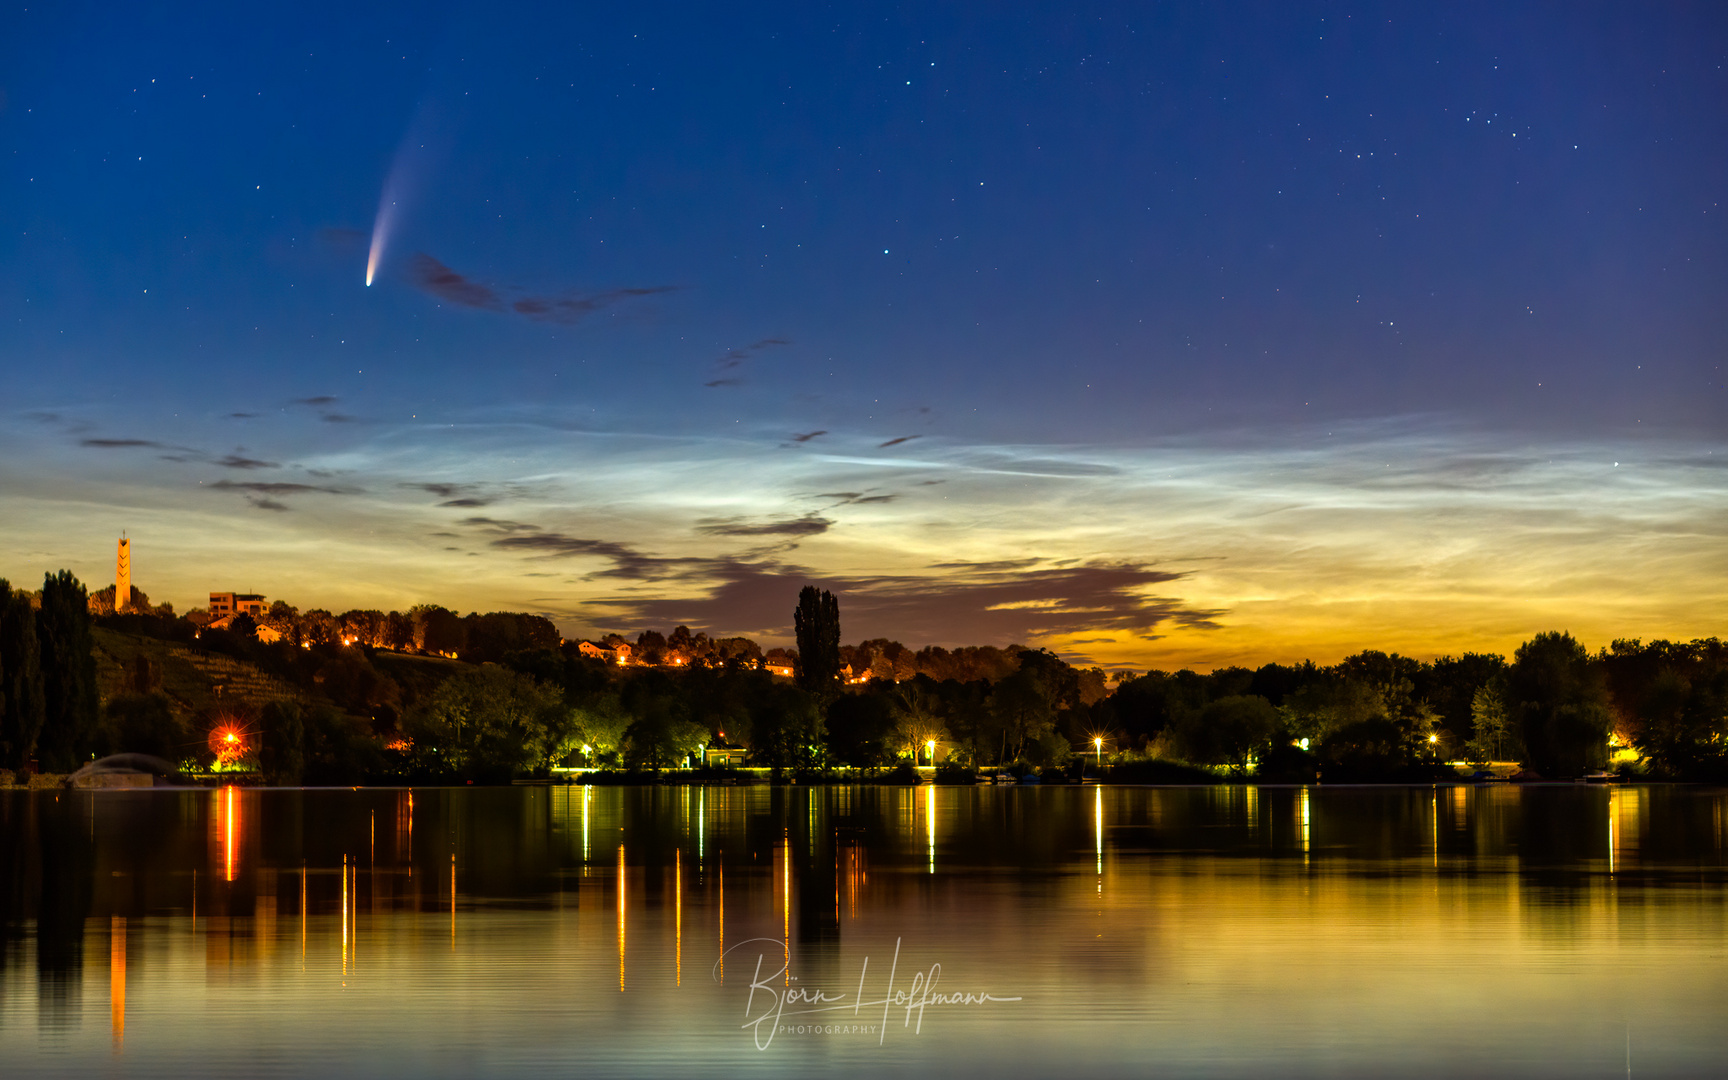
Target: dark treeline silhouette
429 695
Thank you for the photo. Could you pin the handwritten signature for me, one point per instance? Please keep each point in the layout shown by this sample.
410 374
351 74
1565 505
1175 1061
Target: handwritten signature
769 1007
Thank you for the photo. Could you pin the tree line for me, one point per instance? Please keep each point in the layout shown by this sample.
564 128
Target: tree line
518 700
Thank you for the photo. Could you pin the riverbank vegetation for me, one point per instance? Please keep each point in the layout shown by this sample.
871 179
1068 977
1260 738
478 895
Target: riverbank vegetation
488 698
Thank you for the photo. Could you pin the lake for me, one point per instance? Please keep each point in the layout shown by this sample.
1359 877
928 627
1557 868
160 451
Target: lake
1540 930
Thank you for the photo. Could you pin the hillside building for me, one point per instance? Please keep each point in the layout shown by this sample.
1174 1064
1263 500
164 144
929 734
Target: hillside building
228 603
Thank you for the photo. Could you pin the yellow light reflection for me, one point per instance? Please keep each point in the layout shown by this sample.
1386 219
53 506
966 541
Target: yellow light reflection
1098 831
678 915
344 919
1305 825
406 835
117 979
620 918
930 823
1625 825
228 810
722 876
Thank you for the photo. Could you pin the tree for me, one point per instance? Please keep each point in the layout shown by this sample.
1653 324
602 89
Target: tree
284 618
917 715
1451 683
437 630
1230 731
786 728
1330 704
398 632
1671 702
144 724
1560 704
600 723
22 708
282 743
68 674
1024 708
490 722
1489 725
816 623
662 733
861 728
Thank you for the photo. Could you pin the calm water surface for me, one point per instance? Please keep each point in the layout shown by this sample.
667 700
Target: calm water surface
1107 931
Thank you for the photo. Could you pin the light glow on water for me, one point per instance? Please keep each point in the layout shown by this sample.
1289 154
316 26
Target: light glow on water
1329 931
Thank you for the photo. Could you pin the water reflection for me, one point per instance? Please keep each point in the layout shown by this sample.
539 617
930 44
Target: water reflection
1230 930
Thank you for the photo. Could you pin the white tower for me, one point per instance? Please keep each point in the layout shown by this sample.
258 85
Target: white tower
123 576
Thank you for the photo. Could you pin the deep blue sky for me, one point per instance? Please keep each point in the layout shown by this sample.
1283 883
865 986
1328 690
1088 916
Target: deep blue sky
1081 229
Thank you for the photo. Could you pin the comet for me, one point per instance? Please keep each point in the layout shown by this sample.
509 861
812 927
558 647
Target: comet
380 233
400 187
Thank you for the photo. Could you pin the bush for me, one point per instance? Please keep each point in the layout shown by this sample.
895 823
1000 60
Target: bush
900 774
143 724
1157 772
955 774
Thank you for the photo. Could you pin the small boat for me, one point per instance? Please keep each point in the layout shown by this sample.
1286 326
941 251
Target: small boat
1030 778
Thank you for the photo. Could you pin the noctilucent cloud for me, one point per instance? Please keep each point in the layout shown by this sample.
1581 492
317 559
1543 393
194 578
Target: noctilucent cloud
1154 334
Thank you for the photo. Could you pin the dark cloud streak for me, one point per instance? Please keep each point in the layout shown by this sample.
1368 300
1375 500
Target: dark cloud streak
977 605
808 525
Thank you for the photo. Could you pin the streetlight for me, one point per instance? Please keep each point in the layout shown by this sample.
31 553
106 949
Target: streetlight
930 748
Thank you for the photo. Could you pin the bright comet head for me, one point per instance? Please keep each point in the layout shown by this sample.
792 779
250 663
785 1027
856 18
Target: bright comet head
380 236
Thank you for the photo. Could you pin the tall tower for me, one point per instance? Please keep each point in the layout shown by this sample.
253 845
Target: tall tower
123 576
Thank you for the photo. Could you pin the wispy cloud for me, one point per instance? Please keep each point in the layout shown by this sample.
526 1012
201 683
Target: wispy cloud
574 307
808 525
1024 605
431 276
728 368
277 488
627 561
121 444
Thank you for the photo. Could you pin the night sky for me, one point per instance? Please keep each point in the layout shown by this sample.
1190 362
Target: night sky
1156 334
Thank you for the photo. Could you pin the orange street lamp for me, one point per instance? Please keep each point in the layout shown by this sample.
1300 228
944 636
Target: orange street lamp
930 748
1098 746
